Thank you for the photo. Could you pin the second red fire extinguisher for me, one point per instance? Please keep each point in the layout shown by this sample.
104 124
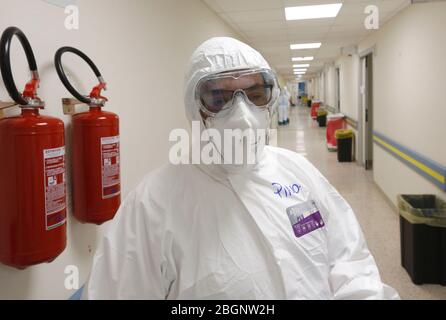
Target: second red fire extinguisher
95 151
32 171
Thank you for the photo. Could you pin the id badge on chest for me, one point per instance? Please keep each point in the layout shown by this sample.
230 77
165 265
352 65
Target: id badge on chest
305 218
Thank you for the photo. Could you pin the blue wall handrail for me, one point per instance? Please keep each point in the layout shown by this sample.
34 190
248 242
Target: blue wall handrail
431 170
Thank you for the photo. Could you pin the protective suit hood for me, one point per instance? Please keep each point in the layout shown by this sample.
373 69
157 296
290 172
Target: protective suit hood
215 56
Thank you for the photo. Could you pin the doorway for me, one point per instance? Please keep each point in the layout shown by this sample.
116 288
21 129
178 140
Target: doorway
338 89
366 110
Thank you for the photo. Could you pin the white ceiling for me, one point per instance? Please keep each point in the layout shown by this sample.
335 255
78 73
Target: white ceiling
262 23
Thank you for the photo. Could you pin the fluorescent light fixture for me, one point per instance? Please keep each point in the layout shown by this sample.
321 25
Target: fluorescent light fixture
296 59
302 46
313 12
298 73
300 70
301 65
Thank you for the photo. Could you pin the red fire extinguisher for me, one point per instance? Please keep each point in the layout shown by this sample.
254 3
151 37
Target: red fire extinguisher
32 172
95 151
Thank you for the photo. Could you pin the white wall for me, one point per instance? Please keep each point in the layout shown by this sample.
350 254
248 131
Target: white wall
142 47
330 74
322 87
409 93
348 66
316 88
310 88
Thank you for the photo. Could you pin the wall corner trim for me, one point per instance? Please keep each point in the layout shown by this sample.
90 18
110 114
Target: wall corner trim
370 50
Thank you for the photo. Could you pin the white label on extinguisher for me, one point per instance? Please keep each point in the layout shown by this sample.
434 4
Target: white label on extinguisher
111 182
55 187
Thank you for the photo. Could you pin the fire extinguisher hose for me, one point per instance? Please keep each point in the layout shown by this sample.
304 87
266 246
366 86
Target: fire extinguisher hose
63 76
5 62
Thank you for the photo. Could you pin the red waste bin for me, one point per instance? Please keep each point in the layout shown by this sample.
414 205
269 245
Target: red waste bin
314 108
334 122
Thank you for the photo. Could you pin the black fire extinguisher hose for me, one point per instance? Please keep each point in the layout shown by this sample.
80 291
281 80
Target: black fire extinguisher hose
5 62
63 76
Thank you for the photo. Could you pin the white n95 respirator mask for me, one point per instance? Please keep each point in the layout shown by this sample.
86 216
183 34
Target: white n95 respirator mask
236 108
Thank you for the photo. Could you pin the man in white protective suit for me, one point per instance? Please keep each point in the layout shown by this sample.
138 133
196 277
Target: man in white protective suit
284 107
272 229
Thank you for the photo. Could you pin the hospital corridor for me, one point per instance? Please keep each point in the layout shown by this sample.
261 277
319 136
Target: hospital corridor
376 214
261 152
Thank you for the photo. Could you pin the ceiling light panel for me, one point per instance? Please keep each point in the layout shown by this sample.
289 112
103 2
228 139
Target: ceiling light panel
303 46
313 12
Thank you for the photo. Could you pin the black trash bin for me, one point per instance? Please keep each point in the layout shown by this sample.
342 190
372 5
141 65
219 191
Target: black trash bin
309 103
322 118
423 238
345 145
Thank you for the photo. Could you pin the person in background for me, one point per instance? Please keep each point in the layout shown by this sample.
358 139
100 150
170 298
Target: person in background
284 107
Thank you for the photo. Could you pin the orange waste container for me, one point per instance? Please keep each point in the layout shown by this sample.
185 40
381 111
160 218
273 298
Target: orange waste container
334 122
314 108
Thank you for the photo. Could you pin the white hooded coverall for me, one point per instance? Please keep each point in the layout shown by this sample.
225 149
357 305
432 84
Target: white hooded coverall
284 105
205 232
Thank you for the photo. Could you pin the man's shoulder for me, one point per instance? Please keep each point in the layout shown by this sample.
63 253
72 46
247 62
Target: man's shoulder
158 187
288 155
292 162
167 174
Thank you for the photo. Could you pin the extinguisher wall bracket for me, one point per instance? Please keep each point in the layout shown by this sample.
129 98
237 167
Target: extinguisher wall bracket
6 105
69 105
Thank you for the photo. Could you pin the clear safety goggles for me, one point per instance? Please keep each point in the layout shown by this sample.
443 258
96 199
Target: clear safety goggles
215 92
